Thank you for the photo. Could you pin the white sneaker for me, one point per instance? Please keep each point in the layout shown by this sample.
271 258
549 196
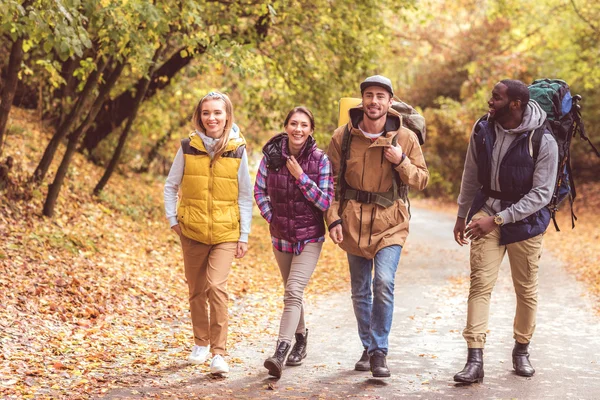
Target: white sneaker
218 365
198 355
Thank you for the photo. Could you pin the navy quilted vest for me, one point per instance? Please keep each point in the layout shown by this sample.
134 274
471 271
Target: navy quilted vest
516 180
294 219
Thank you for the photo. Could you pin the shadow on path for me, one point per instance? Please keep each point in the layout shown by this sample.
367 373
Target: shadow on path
426 346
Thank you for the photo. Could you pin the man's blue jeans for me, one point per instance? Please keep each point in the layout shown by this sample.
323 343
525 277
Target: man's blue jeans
374 308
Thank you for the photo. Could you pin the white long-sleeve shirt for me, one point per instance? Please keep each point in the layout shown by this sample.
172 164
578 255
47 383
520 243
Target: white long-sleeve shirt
244 191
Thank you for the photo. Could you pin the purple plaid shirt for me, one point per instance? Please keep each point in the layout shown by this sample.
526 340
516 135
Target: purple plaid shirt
319 194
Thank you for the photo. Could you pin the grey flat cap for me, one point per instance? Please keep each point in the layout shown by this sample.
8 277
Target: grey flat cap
377 80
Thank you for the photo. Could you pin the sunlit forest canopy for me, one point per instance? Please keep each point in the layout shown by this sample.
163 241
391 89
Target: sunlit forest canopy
443 57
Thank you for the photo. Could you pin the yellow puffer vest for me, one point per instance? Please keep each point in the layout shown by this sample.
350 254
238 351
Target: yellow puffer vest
208 211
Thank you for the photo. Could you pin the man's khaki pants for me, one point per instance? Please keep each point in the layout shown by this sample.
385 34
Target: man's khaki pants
206 271
486 256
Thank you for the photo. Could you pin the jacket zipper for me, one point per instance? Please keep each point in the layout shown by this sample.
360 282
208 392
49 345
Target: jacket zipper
371 226
499 162
360 226
497 167
381 175
362 178
209 202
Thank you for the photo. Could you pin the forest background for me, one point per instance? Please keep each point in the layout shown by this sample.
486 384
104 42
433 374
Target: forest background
96 96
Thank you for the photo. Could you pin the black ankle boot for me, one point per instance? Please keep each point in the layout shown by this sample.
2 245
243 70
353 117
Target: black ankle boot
298 352
473 370
520 356
275 363
379 367
364 363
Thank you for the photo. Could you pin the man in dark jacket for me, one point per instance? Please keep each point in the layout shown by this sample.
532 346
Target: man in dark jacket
504 192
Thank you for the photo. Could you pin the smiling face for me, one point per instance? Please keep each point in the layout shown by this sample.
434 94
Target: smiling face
376 102
213 116
298 128
499 104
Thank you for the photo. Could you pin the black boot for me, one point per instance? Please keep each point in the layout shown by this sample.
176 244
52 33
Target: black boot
275 363
363 364
473 370
379 367
298 352
520 356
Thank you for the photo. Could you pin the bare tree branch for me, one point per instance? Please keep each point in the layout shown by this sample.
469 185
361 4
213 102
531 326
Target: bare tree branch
594 28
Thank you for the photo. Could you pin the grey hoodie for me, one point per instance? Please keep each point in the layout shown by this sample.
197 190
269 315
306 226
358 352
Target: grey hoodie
544 176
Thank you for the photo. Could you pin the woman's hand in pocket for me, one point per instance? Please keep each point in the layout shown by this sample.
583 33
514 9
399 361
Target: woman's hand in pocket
177 229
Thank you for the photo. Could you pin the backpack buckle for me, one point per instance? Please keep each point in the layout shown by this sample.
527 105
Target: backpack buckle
363 197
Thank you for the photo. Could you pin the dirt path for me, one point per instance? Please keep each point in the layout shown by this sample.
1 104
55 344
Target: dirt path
426 346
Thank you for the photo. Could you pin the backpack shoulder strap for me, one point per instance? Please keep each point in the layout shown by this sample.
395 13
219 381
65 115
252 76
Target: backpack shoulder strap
536 140
346 139
400 188
341 186
477 126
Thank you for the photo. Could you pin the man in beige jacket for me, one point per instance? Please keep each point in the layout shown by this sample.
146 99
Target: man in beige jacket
375 160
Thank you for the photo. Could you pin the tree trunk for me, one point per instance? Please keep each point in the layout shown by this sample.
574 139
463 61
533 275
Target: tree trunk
139 97
156 148
115 111
54 188
67 90
10 86
63 130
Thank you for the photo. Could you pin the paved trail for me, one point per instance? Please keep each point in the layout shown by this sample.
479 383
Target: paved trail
426 346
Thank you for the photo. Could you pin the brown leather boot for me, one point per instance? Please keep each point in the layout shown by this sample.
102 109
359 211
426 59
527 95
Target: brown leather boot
275 363
520 356
473 370
379 367
363 364
298 352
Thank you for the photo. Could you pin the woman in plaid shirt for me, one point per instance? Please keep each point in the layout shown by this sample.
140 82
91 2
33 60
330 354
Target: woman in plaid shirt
294 185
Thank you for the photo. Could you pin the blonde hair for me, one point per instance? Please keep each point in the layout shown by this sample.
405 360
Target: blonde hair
197 119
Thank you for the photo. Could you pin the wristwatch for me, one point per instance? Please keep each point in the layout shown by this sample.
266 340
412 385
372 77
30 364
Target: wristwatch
498 220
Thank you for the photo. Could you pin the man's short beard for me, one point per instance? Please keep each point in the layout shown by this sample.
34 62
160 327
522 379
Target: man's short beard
502 112
374 119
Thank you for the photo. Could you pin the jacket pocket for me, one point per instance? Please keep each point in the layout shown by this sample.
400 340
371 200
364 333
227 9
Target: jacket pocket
480 214
182 215
393 215
351 221
235 216
533 262
533 254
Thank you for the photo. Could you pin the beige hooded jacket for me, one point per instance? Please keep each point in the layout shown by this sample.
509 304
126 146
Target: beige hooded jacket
367 228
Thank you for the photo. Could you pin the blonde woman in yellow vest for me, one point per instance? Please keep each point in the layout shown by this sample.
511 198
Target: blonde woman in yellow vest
212 219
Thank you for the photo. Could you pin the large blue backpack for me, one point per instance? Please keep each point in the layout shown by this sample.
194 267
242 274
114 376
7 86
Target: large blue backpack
564 120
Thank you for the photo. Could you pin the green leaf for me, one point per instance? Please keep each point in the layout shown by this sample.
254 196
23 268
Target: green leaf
48 46
64 47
